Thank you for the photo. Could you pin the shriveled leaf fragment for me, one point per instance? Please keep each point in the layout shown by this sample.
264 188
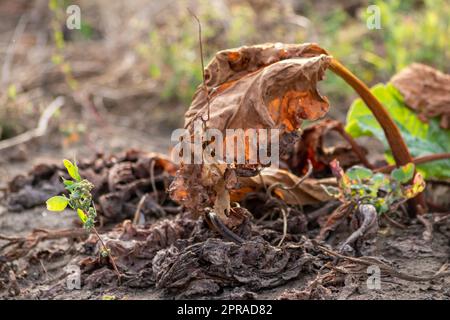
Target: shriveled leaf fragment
308 192
426 90
416 187
422 138
270 86
255 264
196 187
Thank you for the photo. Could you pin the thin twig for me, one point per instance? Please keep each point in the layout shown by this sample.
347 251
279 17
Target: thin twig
137 213
41 128
393 222
111 259
355 146
223 229
44 269
205 88
443 217
418 160
152 179
428 233
289 188
368 261
20 28
283 212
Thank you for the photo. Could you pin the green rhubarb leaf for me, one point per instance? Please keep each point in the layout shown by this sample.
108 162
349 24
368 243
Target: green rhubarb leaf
422 138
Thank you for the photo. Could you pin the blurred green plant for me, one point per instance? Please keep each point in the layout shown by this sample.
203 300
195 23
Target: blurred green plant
411 31
421 138
414 31
359 185
172 50
57 7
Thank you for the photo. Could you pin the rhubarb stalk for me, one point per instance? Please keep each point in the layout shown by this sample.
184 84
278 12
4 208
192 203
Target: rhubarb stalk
396 142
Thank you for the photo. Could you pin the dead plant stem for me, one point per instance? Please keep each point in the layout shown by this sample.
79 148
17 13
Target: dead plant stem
111 259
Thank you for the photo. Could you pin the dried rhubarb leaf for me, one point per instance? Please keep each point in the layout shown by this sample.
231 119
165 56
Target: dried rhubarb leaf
254 264
259 87
262 86
426 90
308 192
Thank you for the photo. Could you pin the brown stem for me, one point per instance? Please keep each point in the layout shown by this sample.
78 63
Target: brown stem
111 259
219 226
355 146
418 160
137 213
205 88
396 143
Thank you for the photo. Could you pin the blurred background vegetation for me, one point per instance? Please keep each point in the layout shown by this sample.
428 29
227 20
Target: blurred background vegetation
136 63
412 31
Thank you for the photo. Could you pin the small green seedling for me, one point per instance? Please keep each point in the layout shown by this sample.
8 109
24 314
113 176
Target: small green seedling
369 195
80 197
80 200
360 185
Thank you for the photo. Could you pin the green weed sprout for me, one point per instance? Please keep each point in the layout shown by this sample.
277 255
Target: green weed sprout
80 200
359 185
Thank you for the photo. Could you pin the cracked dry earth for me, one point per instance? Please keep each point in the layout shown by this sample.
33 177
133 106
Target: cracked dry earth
176 256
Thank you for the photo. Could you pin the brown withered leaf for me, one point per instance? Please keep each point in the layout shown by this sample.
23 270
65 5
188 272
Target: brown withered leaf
255 265
425 90
270 86
262 86
311 146
308 192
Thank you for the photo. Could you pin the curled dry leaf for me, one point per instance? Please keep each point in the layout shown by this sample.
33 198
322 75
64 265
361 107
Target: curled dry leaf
214 264
425 90
270 86
308 192
262 86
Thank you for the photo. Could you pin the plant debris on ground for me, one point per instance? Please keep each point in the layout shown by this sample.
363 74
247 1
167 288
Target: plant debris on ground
314 228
